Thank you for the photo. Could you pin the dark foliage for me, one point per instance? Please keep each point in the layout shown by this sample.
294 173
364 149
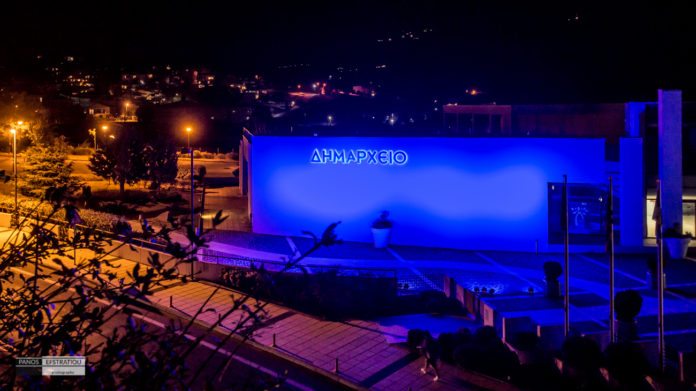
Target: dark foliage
581 354
71 315
162 160
382 222
628 365
46 166
414 339
450 341
486 353
552 270
122 160
628 304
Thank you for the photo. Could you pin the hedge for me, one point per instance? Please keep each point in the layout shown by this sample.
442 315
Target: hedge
90 218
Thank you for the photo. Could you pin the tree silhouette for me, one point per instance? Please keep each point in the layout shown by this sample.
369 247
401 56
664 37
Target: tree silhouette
82 307
122 159
46 167
162 160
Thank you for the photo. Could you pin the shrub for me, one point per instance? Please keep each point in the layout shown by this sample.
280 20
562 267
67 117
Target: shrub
449 342
628 304
325 294
81 151
431 294
232 155
207 155
196 154
552 270
486 353
436 306
582 355
382 222
98 220
526 341
90 218
627 364
414 339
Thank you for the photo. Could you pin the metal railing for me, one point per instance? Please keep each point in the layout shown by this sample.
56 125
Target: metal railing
410 283
276 266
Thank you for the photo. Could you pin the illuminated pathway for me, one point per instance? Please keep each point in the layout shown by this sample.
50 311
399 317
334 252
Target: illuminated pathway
510 275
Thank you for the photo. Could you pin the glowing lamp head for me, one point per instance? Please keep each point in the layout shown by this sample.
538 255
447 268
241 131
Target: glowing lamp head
188 129
13 131
104 127
20 122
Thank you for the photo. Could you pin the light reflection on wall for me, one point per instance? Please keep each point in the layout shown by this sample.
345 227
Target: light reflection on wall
479 193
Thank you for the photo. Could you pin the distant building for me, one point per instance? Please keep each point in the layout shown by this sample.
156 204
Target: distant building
612 122
98 110
550 120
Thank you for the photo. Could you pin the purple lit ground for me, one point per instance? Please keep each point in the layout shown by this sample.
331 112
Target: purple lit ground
509 274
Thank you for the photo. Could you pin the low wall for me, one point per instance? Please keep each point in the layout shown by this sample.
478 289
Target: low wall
327 293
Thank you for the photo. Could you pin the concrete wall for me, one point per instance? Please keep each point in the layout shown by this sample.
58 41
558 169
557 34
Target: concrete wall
632 187
669 113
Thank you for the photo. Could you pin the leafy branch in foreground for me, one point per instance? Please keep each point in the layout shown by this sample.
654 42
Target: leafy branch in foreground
62 292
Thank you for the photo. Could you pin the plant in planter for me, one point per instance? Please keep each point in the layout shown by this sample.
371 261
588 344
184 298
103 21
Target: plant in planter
627 305
553 270
677 243
381 230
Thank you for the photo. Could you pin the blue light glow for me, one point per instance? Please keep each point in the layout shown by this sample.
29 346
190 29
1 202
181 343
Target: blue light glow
479 193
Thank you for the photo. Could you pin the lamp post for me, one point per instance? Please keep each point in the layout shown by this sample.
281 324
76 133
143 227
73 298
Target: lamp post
15 215
193 215
188 138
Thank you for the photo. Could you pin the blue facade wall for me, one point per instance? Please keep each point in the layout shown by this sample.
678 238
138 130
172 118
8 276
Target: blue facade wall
473 193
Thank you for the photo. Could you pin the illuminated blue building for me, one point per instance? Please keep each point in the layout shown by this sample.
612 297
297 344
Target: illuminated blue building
496 193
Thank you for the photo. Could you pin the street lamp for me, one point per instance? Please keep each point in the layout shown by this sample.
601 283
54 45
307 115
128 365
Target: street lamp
15 215
93 132
127 104
193 214
188 134
188 137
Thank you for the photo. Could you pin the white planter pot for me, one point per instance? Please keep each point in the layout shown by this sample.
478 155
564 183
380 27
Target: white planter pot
677 247
381 236
652 279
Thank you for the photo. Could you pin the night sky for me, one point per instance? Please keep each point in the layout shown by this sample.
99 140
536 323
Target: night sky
521 52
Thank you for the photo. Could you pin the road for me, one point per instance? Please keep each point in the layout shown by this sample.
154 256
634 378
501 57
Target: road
247 363
214 168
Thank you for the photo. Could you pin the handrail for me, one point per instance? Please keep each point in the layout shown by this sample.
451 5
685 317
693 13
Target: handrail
309 268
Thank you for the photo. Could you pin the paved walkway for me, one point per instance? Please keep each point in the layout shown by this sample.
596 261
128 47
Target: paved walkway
511 275
364 355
